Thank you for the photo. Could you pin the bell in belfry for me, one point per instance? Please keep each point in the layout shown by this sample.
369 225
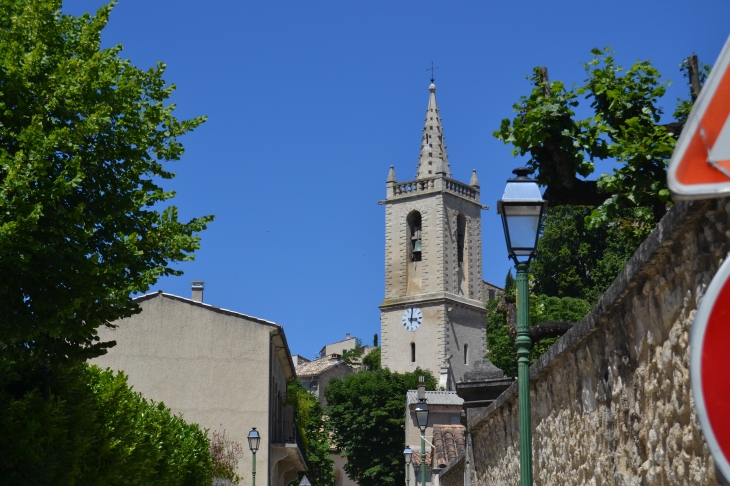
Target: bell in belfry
416 241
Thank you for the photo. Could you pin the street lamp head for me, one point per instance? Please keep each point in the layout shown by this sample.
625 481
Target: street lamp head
422 413
253 440
305 482
407 454
521 207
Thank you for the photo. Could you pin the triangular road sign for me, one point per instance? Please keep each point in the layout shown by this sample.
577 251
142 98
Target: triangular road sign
700 165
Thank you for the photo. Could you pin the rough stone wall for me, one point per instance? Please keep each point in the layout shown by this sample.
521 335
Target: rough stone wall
611 400
454 474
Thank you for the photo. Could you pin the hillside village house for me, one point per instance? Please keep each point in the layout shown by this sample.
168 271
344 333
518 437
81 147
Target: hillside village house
221 369
315 376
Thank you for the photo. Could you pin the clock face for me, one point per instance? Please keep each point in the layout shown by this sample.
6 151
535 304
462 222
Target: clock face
412 319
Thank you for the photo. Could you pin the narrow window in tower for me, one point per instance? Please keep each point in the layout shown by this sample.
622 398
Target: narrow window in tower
413 352
466 354
460 234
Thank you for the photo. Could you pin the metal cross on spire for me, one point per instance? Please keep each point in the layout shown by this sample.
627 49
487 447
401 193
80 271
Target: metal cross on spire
432 68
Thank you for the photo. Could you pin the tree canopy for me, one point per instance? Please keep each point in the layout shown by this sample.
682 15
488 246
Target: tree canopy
83 138
366 415
625 126
577 260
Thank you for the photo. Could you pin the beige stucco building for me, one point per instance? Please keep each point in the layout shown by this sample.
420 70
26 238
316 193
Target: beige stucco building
338 347
218 368
433 312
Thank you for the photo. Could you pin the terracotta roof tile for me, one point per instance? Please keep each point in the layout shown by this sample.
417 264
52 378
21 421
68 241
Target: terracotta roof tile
448 441
416 458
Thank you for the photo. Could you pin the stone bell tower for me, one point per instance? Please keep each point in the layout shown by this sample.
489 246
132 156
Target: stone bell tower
433 313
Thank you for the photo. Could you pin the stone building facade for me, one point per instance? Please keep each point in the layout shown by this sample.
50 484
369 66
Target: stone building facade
218 368
611 399
433 312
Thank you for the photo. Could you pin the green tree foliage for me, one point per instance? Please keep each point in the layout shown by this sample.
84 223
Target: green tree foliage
500 343
83 138
501 339
314 427
366 414
95 430
353 356
371 361
576 260
510 284
624 127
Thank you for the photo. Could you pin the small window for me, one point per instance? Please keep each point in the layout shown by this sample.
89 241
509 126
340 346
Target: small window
466 354
455 420
413 352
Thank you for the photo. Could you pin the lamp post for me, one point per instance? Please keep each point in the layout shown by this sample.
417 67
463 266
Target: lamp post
522 208
253 443
407 454
422 419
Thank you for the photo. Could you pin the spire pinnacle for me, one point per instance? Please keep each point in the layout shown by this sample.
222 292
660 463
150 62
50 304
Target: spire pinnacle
433 159
474 182
391 175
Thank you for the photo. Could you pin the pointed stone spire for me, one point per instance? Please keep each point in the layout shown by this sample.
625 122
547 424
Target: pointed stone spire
391 175
433 159
474 182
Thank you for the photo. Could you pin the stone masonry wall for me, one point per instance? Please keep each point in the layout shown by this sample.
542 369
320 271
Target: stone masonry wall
611 400
454 475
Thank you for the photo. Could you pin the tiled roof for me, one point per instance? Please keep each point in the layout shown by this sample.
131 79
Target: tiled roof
435 397
448 441
416 458
317 366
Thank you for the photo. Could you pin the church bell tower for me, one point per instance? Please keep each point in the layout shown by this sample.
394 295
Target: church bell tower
434 308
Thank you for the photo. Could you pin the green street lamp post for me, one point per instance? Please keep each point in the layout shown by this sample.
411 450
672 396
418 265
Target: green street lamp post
522 208
422 419
407 454
253 443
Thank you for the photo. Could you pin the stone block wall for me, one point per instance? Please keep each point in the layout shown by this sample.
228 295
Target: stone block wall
453 475
611 400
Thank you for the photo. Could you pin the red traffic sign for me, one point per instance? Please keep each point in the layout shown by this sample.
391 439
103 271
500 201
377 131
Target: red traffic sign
710 367
700 165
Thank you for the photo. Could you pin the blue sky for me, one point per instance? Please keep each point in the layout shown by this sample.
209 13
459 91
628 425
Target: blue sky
309 103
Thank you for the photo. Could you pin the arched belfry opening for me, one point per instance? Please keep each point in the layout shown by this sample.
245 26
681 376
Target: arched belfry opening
414 252
415 246
461 256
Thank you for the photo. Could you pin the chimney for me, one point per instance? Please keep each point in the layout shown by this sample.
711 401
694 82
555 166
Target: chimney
198 286
347 336
421 387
